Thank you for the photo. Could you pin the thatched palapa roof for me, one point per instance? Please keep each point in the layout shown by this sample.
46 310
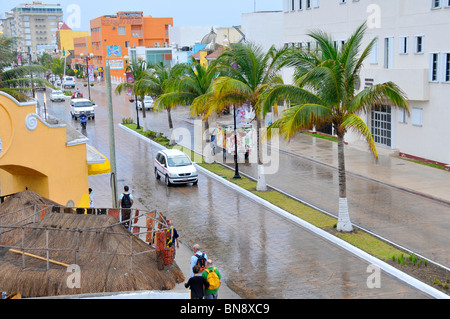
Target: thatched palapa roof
109 257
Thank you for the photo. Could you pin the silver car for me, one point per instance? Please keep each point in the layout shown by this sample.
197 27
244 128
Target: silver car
175 167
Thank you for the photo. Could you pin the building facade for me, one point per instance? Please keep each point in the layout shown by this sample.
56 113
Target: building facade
113 35
35 25
412 49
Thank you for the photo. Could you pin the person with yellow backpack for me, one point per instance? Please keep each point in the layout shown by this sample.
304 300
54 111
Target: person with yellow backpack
212 276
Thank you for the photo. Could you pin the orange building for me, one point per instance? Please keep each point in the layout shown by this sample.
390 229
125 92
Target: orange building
112 35
82 45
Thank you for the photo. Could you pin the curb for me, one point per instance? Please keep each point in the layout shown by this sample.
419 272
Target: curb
339 242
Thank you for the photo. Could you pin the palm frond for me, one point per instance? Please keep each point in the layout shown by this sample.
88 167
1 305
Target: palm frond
357 124
17 94
377 96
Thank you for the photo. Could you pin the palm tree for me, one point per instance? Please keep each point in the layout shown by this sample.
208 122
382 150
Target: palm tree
138 69
324 91
194 89
14 81
251 72
159 80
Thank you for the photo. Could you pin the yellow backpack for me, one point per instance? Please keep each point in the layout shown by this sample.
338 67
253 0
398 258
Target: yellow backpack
212 279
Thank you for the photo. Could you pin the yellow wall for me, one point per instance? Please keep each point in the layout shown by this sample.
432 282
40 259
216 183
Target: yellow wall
65 39
37 157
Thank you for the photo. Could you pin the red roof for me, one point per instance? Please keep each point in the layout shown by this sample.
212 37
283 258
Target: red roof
64 26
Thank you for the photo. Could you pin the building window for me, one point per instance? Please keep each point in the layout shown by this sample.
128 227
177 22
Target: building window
388 53
122 30
308 4
300 4
419 43
402 116
374 53
403 45
434 67
435 4
381 126
416 116
446 57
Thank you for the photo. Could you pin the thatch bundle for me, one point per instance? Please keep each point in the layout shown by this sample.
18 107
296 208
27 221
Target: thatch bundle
20 209
109 257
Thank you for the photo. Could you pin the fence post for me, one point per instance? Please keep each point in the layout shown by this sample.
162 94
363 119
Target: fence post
23 244
46 245
131 253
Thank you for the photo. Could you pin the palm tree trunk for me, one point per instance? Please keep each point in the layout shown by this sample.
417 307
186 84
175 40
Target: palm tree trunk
169 118
261 185
144 121
344 224
208 155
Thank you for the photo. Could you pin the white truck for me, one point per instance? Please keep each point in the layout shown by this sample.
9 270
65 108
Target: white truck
78 106
68 82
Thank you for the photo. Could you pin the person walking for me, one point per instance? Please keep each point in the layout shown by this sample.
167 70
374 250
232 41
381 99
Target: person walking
172 236
91 209
199 258
126 201
213 277
197 284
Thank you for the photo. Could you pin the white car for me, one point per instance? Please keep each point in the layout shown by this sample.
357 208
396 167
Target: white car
78 106
68 82
175 167
57 95
148 103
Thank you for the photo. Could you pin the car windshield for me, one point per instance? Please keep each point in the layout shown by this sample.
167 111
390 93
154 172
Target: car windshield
82 104
57 92
148 98
179 160
69 79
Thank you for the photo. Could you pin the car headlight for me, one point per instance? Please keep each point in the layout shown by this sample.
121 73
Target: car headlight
172 174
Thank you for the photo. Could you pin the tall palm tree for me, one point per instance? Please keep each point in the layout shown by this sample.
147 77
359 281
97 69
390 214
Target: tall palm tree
194 89
138 69
324 91
251 72
159 80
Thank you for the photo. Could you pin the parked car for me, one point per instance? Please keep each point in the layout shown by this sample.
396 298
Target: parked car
148 103
77 106
57 95
175 167
68 82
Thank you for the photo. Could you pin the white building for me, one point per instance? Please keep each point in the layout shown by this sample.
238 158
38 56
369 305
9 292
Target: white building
413 50
35 25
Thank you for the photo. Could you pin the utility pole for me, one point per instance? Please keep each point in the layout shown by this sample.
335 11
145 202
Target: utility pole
112 144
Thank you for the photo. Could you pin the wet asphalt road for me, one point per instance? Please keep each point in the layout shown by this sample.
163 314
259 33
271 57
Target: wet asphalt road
260 254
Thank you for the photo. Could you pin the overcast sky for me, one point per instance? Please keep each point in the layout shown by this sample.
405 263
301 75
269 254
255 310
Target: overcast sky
220 13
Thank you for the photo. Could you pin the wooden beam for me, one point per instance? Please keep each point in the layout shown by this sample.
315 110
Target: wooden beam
39 257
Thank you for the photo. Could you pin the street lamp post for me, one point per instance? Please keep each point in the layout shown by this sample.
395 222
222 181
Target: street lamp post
88 57
236 165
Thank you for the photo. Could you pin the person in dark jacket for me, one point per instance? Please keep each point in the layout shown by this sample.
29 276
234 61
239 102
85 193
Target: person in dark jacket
197 284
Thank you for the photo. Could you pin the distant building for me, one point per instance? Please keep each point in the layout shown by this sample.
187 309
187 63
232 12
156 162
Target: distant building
411 50
35 25
112 35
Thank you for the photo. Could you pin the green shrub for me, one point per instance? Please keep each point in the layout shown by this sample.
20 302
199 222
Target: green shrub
127 120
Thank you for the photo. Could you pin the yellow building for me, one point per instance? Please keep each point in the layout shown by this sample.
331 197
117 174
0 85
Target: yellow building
65 38
49 157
